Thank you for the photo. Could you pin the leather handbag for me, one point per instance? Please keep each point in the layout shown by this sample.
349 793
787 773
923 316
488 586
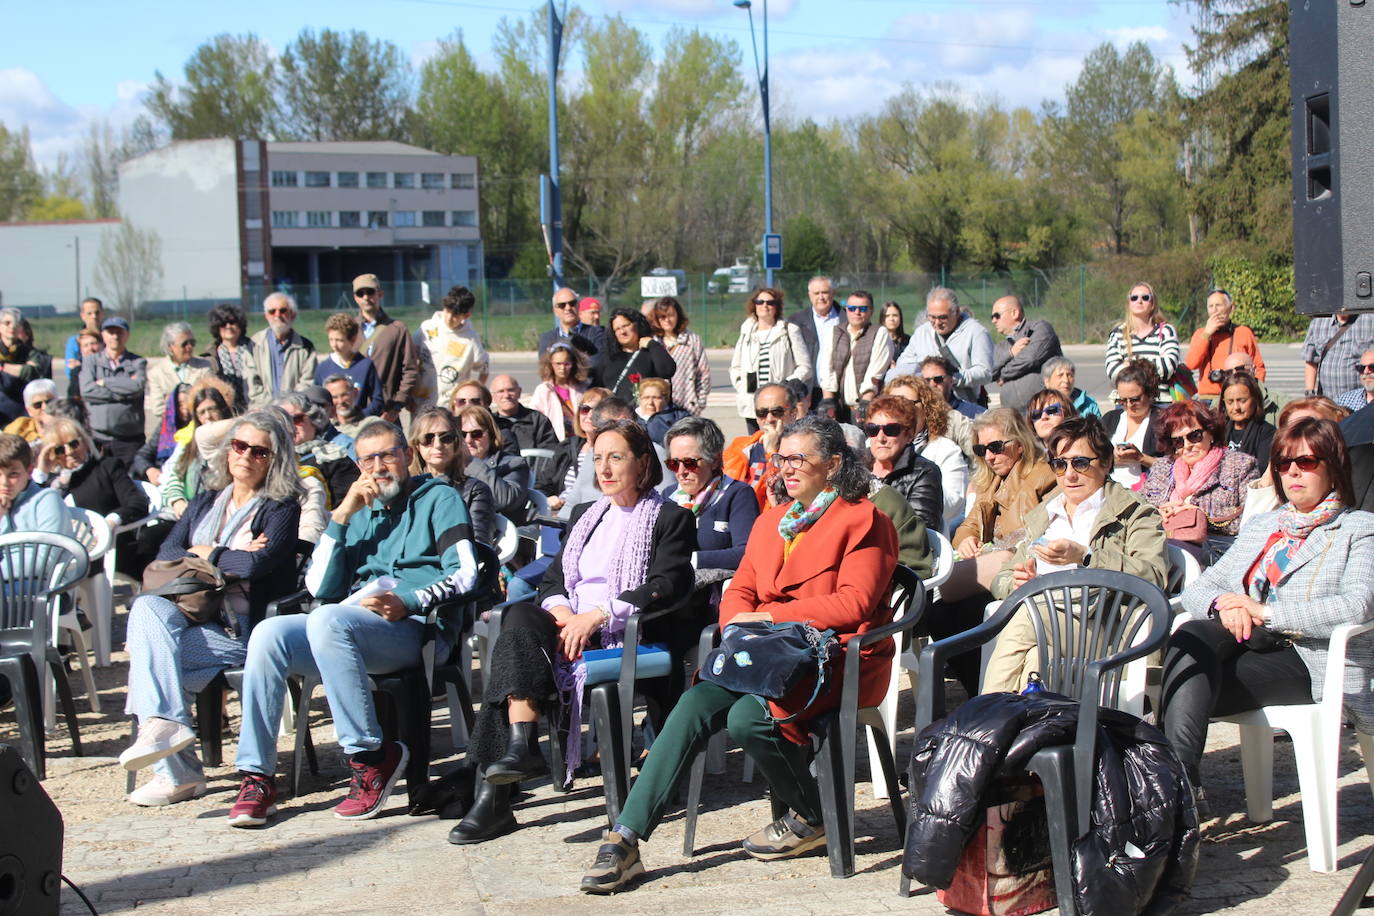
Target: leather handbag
195 585
1187 523
769 659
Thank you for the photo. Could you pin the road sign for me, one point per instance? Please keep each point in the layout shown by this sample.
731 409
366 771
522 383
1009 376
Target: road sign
772 251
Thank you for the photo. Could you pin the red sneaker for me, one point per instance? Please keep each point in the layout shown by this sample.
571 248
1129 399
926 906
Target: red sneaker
256 802
372 785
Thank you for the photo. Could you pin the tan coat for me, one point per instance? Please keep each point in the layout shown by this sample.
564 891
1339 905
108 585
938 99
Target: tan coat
998 515
162 381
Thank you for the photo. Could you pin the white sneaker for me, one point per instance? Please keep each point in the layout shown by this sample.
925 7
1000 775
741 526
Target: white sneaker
157 738
160 791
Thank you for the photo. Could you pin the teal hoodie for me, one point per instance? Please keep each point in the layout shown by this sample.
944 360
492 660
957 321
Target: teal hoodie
37 509
423 540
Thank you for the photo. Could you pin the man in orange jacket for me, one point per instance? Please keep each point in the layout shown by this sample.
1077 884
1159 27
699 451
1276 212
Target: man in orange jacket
746 458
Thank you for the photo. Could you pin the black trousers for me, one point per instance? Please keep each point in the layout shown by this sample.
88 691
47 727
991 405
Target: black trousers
950 618
1208 674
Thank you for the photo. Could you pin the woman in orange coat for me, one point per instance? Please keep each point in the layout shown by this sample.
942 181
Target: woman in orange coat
824 556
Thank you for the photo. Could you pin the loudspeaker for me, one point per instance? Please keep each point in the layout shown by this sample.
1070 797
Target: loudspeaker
1331 66
30 841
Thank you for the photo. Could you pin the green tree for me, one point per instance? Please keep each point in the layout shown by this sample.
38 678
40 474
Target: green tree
228 91
806 249
343 87
21 185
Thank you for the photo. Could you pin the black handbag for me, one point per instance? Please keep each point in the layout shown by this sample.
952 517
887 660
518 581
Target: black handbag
769 659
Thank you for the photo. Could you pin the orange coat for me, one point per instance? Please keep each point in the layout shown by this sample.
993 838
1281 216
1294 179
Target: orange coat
836 578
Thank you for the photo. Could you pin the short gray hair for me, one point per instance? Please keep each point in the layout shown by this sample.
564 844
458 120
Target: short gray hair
280 296
37 388
375 426
337 377
785 389
171 331
710 440
943 294
12 313
1054 364
313 412
283 481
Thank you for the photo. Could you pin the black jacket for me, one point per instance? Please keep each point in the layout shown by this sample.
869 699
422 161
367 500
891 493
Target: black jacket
481 509
104 484
1113 418
919 481
652 361
1140 797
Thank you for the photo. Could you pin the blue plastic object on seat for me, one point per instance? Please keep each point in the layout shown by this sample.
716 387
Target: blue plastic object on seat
604 664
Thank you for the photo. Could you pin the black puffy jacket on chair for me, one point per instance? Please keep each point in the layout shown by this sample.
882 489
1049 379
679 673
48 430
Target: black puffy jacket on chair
1140 853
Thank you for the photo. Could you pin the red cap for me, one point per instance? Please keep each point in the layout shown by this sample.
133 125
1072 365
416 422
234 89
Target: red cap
587 302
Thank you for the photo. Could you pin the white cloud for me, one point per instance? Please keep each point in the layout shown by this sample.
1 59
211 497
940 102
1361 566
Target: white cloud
1145 33
56 127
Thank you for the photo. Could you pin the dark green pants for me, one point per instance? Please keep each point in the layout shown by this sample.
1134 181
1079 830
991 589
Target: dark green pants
700 713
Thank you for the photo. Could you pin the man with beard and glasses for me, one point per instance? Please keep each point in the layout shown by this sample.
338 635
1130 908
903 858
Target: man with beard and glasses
412 529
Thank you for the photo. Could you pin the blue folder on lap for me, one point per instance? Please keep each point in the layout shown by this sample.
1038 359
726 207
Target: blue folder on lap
603 665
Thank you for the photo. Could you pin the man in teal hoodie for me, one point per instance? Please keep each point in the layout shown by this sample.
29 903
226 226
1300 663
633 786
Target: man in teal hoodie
24 505
414 530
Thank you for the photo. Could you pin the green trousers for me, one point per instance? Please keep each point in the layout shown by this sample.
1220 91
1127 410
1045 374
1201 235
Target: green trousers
700 713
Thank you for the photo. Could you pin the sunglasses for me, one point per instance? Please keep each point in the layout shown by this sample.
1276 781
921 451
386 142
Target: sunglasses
586 408
690 464
935 379
1304 462
777 413
1141 297
474 433
280 310
858 308
772 302
571 303
428 439
997 447
60 450
996 316
299 419
256 452
891 430
464 402
1080 463
1195 436
190 342
1364 368
365 291
795 462
1138 399
1049 410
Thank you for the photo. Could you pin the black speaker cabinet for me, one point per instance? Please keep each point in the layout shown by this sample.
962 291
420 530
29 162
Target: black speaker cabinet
1331 46
30 841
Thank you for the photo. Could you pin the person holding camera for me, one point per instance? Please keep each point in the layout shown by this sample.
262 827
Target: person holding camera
1215 341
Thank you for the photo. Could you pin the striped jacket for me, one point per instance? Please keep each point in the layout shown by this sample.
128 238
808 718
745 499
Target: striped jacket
1160 347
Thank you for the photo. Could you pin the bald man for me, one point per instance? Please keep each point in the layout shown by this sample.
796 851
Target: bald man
528 428
589 339
1022 347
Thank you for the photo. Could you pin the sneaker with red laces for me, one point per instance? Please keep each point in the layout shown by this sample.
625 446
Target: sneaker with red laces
256 802
372 785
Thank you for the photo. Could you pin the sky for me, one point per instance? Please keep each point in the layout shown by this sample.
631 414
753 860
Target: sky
65 66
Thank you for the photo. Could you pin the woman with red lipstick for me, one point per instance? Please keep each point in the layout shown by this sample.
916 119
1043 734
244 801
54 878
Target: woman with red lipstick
1288 573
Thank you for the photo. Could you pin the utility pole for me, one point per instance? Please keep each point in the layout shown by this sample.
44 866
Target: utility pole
550 196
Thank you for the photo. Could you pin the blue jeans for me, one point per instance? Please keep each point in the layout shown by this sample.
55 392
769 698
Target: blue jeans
341 645
171 660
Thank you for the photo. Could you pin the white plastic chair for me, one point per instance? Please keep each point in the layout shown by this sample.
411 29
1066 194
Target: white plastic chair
95 594
535 458
507 539
1316 732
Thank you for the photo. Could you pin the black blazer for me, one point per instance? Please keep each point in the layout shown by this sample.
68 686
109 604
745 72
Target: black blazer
104 485
1112 419
652 361
270 572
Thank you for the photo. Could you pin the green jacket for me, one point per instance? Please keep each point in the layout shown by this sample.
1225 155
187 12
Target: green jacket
1127 536
913 549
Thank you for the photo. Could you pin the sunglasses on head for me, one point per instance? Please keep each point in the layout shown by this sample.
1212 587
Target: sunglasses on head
891 430
60 450
428 439
997 447
1141 297
1304 462
1080 463
1049 410
365 291
256 452
1193 436
765 302
777 413
689 464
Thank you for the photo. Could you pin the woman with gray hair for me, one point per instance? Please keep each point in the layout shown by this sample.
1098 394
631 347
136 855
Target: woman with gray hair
725 508
330 460
1058 373
38 394
182 367
245 523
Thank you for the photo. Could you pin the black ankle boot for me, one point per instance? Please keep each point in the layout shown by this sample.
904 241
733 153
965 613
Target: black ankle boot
522 759
489 817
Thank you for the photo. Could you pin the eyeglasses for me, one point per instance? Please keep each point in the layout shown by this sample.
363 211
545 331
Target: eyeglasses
768 302
571 303
795 462
1193 436
777 413
891 430
59 450
444 439
365 291
474 433
1304 462
935 379
1141 297
1364 368
1049 410
1080 463
858 308
1138 399
368 462
39 405
997 447
690 464
256 452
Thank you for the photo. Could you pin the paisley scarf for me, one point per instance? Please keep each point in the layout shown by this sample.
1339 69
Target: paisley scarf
799 518
1294 529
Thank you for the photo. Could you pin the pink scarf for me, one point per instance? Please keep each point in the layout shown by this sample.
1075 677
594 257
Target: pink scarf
1188 481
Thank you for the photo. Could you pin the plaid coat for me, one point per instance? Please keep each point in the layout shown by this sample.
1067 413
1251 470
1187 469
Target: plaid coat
1222 498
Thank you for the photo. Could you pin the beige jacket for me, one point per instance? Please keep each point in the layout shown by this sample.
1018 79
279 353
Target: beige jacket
162 381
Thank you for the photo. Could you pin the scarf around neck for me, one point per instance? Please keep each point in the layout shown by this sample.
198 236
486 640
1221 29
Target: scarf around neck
695 504
799 518
1294 528
214 529
1188 481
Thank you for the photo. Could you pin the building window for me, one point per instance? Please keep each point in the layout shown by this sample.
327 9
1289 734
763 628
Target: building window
432 181
317 179
376 219
376 179
284 219
465 217
350 219
404 179
405 218
319 219
432 219
464 180
348 179
281 179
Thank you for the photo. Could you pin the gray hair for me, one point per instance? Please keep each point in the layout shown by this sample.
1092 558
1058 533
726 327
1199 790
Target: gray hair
1054 364
943 294
11 313
37 388
710 440
280 296
820 277
171 331
852 477
375 426
785 389
313 412
283 481
337 377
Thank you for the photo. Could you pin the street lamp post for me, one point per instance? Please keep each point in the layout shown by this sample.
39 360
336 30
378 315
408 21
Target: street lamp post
762 73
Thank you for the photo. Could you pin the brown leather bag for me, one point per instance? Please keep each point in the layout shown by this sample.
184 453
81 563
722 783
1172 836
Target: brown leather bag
196 586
